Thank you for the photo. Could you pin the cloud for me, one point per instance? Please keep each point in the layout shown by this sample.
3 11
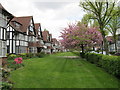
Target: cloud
50 5
54 15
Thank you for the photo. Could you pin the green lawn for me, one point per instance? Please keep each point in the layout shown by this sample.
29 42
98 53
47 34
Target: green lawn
56 72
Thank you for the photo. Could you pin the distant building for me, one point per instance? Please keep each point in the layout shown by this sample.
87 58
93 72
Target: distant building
47 39
55 45
39 37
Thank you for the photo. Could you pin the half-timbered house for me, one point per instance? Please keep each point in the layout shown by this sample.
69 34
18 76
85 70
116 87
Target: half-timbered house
55 45
21 35
47 38
17 40
5 18
39 38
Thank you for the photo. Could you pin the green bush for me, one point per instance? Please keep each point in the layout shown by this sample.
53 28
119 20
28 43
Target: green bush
14 66
111 64
112 53
82 55
12 56
26 55
40 55
29 55
23 55
6 86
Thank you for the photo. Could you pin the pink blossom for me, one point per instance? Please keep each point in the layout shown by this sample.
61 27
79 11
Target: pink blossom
18 60
75 35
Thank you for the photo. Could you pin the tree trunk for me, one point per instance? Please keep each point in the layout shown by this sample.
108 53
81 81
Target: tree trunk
115 46
82 47
115 38
105 42
102 47
105 45
93 48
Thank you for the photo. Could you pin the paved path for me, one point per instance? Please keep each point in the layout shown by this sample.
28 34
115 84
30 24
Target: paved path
70 57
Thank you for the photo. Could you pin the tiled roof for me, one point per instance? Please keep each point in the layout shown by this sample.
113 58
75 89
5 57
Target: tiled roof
25 21
10 16
17 29
1 7
45 33
54 40
35 44
37 25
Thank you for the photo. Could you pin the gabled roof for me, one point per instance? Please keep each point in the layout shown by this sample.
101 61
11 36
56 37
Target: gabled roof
10 16
50 35
17 29
54 40
1 7
37 25
45 33
25 21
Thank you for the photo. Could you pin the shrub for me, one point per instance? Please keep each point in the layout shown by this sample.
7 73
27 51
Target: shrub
17 63
14 66
23 55
112 53
111 64
6 84
30 55
12 56
40 55
82 55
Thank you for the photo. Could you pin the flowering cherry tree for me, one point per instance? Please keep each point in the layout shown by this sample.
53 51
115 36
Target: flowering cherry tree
80 36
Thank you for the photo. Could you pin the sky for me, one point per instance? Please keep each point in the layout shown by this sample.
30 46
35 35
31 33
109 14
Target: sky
54 15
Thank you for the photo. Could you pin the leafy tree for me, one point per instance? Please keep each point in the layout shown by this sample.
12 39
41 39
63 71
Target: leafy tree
103 13
79 36
112 27
88 21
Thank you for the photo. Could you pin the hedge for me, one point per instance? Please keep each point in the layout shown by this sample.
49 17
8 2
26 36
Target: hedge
25 55
111 64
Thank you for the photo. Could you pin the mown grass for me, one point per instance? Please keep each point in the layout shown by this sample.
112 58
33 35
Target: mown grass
55 72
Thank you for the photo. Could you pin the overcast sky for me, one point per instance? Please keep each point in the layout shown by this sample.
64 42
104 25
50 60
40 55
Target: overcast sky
54 15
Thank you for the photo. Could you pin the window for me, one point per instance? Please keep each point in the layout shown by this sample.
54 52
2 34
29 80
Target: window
4 51
8 49
17 25
8 35
30 50
0 34
0 47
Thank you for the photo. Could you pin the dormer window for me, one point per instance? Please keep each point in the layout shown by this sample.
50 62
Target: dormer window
17 25
31 28
39 32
